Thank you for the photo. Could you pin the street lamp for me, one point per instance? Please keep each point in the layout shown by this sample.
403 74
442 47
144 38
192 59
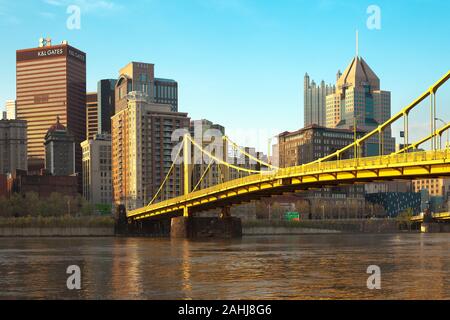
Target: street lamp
448 133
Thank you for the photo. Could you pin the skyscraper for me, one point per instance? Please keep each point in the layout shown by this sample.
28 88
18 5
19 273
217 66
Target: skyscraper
142 149
358 100
100 108
166 92
13 145
106 104
51 81
59 150
11 109
97 183
140 77
315 101
91 115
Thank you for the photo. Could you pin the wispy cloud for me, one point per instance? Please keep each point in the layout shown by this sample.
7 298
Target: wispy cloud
7 16
47 15
87 6
54 2
9 19
236 6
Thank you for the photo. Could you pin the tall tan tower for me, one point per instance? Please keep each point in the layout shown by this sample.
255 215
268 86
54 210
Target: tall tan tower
51 82
135 76
142 149
358 100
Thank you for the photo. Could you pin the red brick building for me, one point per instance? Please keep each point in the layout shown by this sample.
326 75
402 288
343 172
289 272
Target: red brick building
45 185
5 185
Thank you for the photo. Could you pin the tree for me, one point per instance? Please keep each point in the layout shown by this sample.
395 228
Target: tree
404 218
18 205
57 206
5 208
32 204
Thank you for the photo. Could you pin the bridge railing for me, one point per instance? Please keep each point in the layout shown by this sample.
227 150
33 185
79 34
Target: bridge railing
382 161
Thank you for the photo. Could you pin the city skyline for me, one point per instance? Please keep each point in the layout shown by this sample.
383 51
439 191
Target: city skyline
224 150
218 59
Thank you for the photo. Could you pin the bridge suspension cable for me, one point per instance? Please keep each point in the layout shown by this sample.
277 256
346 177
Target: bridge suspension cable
402 113
220 160
167 175
414 146
203 175
212 157
249 155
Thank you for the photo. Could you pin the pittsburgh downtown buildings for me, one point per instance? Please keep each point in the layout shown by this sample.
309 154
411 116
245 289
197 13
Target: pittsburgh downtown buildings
115 145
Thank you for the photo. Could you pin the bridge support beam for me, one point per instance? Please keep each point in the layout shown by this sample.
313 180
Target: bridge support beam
225 212
199 227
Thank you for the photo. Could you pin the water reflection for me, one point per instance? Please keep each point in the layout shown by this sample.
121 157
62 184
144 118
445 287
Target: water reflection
185 268
413 266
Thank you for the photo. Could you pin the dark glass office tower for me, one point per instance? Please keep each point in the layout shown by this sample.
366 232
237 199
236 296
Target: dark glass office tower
106 104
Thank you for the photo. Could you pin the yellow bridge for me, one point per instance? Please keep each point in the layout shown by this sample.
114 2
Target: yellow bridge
443 216
332 170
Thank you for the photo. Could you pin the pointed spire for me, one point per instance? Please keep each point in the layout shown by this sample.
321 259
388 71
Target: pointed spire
357 44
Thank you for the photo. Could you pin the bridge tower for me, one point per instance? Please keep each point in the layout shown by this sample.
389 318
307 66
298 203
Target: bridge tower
188 226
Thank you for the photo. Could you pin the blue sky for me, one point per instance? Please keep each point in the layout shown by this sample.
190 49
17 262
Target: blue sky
241 62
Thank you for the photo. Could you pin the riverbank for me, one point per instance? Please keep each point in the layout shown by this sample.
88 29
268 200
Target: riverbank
64 226
266 227
95 226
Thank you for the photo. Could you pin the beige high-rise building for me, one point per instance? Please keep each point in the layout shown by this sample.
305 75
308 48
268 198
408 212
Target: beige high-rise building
359 101
314 102
435 187
11 109
140 76
97 174
13 145
134 77
142 149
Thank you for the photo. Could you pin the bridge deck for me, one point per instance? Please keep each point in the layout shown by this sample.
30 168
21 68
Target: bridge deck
370 169
444 216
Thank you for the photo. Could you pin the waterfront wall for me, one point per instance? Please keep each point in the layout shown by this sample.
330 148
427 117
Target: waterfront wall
264 227
60 226
256 231
57 232
435 227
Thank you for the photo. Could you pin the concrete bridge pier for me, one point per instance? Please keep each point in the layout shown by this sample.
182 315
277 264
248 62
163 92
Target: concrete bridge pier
146 228
190 227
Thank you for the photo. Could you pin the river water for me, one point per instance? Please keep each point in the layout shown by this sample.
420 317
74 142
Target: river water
413 266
